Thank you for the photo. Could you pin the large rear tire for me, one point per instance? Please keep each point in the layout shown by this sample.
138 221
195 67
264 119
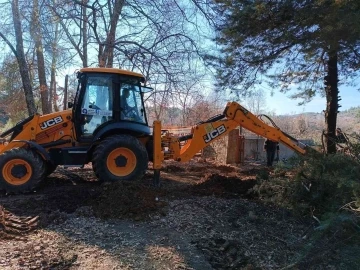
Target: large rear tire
21 170
120 157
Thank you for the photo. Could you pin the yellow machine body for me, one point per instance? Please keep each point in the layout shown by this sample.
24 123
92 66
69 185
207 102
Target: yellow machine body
44 129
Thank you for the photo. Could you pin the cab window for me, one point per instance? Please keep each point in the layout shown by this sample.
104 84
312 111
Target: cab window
96 107
131 104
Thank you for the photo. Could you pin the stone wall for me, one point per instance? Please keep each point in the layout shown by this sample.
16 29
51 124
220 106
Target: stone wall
219 149
227 151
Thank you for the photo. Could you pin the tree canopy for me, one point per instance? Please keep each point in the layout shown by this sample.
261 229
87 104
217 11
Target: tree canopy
162 40
290 43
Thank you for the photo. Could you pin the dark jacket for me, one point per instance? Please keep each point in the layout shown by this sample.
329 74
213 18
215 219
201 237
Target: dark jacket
271 145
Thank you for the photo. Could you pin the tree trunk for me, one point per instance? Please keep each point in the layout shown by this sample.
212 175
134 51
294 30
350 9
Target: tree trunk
84 33
37 36
20 56
332 92
106 50
52 94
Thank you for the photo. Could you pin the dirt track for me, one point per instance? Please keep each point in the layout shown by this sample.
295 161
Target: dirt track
201 218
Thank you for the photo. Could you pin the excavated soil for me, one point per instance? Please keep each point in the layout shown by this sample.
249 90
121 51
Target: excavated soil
204 216
223 186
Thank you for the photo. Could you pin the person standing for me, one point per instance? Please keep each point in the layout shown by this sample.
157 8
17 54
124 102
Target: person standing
271 148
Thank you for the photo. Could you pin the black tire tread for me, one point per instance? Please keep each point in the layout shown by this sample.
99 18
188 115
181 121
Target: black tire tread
36 162
110 143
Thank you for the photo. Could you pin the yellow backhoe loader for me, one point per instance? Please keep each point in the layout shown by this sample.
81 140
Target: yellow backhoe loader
107 126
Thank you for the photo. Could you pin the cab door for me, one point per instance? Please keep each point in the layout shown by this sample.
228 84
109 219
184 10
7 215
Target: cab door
94 105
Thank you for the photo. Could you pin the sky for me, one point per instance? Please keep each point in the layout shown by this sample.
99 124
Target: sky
281 104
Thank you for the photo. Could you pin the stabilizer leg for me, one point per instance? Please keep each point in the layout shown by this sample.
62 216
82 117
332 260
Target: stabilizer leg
156 180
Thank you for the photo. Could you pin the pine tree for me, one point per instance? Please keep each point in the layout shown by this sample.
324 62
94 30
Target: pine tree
307 43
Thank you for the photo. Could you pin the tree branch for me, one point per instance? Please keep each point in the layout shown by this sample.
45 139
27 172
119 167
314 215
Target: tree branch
9 44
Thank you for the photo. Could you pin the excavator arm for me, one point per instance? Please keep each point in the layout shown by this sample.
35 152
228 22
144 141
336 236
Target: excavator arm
252 123
168 146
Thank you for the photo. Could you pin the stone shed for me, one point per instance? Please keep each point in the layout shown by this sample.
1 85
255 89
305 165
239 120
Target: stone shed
236 148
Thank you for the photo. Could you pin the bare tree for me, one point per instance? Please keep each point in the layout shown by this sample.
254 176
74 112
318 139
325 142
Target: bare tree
201 110
256 102
157 103
37 35
302 124
106 49
12 94
54 58
84 32
20 56
188 94
162 41
157 40
54 40
72 16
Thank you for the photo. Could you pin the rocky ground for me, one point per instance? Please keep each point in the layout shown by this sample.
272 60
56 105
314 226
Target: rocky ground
203 217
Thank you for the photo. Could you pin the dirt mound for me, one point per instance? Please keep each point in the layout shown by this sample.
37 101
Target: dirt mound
210 166
128 200
222 186
173 168
198 168
225 168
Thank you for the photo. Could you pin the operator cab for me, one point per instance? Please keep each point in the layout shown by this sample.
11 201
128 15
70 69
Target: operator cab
109 99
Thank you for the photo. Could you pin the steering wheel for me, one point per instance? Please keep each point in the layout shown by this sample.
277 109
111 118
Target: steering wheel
131 112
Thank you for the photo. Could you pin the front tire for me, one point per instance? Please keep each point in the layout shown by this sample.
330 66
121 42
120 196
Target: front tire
120 157
21 170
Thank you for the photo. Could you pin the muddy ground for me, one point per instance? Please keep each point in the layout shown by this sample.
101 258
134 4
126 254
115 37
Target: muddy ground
204 216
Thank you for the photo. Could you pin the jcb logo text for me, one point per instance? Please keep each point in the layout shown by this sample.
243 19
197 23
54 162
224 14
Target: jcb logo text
51 122
214 133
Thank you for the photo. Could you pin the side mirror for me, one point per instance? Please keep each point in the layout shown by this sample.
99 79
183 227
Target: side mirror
70 104
145 89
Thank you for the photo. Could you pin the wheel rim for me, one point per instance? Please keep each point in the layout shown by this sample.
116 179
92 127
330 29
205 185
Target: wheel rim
121 161
17 172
